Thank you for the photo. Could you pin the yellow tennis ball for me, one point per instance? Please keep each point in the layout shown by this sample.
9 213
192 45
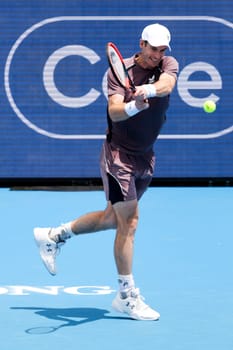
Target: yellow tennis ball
209 106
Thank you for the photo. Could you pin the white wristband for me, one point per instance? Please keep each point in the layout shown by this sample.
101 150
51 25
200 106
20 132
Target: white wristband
131 109
150 90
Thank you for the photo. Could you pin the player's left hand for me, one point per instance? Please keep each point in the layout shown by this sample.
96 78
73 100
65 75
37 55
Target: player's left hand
140 98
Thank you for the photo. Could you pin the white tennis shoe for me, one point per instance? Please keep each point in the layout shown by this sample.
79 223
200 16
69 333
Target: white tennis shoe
48 248
135 307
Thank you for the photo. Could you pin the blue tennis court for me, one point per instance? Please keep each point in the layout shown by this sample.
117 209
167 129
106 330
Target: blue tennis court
183 266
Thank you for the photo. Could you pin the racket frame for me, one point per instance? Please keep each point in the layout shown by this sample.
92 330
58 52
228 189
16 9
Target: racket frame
127 83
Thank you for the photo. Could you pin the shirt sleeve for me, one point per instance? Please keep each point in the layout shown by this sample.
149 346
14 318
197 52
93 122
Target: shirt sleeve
170 66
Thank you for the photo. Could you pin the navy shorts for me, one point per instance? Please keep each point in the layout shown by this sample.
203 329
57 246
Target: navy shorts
125 176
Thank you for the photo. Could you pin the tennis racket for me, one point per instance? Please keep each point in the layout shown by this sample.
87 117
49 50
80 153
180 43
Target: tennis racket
118 67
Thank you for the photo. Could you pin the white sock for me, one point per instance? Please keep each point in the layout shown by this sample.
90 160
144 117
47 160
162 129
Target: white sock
126 283
61 233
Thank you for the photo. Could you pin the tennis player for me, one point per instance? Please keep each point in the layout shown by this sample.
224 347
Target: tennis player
127 164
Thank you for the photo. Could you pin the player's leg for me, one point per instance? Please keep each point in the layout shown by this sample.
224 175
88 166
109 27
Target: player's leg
128 299
127 218
124 192
95 221
49 240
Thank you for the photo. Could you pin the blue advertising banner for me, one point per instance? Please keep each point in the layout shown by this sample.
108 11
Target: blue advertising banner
53 85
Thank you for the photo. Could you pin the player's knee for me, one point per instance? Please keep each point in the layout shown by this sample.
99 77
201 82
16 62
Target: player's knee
127 225
132 223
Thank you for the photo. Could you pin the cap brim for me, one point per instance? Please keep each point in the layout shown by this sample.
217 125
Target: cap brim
156 44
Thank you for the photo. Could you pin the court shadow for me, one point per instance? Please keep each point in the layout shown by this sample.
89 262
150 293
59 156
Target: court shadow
70 317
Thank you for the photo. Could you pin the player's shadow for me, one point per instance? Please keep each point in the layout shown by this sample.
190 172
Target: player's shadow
69 317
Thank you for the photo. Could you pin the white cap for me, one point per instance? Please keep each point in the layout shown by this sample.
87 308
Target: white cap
157 35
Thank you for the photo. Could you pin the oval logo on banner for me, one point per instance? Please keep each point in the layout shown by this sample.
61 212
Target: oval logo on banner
55 74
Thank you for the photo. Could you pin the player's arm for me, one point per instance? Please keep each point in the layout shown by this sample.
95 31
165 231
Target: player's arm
165 85
116 108
160 88
119 110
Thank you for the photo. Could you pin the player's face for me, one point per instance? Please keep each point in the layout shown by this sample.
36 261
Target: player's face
151 55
